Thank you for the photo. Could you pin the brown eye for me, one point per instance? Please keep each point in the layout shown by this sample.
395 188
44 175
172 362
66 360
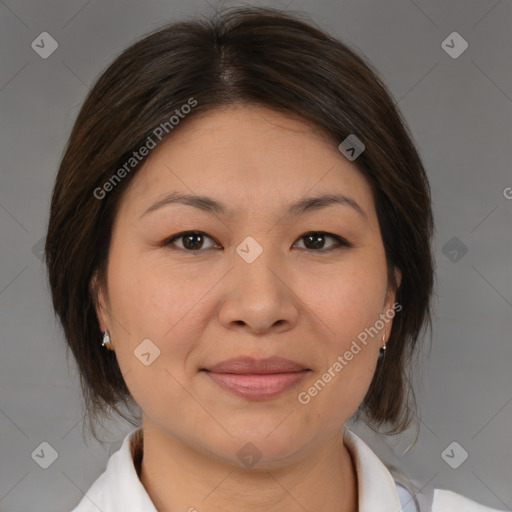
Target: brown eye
192 241
315 240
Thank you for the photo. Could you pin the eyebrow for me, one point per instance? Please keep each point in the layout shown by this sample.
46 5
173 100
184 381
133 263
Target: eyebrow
210 205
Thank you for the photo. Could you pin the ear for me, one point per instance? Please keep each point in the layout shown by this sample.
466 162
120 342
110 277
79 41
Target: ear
99 301
398 277
391 293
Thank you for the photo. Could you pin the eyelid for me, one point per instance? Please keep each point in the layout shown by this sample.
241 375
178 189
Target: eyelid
340 241
168 241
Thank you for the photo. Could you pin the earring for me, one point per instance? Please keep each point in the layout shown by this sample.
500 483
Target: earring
106 339
382 351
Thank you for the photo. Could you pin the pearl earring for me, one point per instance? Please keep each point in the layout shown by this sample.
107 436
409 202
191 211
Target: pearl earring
106 339
382 350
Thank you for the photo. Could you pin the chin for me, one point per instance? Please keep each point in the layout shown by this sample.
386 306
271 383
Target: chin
271 443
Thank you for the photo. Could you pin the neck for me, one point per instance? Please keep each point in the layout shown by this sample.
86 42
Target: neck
178 477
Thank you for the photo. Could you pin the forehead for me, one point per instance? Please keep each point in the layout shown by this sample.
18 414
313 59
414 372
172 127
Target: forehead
247 157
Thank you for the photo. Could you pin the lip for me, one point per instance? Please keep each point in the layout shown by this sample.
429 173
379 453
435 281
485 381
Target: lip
257 379
251 365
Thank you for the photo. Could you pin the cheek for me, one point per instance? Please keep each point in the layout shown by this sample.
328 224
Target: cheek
352 299
156 300
152 303
144 305
151 298
349 303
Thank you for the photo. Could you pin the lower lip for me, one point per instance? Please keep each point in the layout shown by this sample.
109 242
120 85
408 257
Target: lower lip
258 387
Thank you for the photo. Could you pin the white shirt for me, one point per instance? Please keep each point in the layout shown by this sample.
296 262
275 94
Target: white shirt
118 488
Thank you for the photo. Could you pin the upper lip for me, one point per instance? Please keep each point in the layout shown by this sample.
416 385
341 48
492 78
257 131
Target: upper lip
251 365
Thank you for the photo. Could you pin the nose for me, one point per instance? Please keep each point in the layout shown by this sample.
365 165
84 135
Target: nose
258 297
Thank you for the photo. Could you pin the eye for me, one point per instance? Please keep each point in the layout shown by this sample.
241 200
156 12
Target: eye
314 240
192 240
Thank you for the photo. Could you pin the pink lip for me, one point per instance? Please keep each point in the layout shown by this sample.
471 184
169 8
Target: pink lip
251 365
257 379
257 387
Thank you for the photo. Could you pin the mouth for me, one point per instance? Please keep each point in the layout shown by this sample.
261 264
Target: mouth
257 379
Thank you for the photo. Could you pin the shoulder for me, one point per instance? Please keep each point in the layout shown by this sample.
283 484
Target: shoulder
445 500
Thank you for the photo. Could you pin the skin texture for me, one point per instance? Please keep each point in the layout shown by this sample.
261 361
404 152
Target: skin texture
207 305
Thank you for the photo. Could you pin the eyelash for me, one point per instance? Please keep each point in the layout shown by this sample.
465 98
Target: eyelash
341 242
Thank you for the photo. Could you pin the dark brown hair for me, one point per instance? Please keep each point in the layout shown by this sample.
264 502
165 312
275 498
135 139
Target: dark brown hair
244 55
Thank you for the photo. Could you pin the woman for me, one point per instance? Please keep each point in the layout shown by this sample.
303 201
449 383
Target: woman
242 220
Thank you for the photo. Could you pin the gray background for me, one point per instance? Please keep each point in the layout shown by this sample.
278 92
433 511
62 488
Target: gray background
460 113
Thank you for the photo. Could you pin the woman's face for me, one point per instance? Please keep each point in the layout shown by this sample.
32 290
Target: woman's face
254 283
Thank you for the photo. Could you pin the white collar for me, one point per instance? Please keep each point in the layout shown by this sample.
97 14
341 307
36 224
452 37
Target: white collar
376 488
119 489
